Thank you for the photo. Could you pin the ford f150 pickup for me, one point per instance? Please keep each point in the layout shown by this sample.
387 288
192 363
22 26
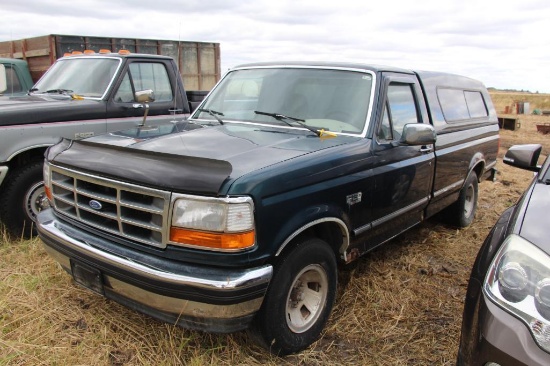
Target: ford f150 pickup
242 224
79 96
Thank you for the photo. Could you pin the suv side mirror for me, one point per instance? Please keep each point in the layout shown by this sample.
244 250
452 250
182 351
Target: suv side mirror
3 79
523 156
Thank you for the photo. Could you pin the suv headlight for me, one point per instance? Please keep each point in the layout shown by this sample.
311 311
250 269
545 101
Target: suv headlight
518 280
214 223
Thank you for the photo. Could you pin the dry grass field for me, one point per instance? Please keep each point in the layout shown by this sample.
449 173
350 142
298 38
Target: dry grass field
400 305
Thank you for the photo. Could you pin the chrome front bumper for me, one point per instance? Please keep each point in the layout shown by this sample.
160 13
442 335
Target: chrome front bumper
191 296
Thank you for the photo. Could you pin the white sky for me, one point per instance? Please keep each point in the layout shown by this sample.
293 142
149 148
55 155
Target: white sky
503 43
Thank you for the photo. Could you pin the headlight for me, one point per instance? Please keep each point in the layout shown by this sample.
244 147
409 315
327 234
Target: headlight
215 223
47 180
519 281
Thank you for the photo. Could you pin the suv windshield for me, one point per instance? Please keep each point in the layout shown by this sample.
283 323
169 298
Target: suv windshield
86 77
333 100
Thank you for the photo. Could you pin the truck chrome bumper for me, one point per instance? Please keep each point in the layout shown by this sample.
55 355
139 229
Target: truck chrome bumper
193 297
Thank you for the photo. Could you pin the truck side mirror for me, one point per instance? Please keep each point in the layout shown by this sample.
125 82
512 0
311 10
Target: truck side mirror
144 97
523 156
418 134
3 79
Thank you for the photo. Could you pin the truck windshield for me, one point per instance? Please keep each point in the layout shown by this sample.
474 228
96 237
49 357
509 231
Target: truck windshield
85 77
333 100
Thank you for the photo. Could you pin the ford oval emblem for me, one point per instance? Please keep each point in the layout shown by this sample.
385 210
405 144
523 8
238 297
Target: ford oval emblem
96 205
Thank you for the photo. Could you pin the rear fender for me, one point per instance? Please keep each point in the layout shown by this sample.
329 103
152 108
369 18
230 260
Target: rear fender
477 165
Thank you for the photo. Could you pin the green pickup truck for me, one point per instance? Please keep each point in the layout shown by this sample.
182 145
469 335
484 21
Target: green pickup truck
15 77
291 169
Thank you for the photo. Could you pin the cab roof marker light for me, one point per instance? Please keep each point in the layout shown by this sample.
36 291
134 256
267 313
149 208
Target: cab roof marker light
76 53
123 52
89 52
104 50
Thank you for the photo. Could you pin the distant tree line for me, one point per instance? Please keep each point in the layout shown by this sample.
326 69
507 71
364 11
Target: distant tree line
511 90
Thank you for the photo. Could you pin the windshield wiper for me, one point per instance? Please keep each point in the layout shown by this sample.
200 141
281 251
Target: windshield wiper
213 113
33 90
59 91
285 119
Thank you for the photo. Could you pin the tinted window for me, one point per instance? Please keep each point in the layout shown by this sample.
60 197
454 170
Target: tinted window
476 104
402 107
385 132
460 105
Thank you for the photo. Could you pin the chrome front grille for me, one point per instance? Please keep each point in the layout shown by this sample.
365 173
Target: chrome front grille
133 212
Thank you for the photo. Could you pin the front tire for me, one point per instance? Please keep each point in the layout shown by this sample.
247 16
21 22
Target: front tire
299 299
23 197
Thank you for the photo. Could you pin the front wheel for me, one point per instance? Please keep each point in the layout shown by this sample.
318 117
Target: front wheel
23 197
299 300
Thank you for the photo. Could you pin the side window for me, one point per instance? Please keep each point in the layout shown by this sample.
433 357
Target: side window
476 104
12 79
385 132
125 93
149 75
399 111
461 105
142 76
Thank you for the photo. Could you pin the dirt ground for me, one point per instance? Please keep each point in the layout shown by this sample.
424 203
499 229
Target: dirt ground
401 305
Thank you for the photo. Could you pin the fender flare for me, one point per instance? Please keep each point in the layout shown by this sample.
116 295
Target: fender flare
310 222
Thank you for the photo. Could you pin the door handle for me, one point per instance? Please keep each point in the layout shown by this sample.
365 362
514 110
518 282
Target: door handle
426 148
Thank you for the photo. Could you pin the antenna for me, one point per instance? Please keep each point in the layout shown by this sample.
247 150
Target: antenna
179 55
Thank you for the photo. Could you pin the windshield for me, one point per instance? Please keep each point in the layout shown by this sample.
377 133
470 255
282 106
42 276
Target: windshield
333 100
86 77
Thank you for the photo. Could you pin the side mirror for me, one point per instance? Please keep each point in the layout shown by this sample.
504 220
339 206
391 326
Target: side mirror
3 79
144 97
418 134
523 156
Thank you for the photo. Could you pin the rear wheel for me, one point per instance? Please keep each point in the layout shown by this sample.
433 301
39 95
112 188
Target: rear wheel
462 212
299 300
23 197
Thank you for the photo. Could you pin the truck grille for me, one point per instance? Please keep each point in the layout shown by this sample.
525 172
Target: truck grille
133 212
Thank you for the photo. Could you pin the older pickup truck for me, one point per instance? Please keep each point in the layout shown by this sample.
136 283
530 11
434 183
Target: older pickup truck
79 96
242 224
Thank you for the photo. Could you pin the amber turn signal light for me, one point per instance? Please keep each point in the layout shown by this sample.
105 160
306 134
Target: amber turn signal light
222 241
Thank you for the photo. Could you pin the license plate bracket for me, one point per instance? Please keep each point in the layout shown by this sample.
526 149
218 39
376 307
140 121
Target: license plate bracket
87 276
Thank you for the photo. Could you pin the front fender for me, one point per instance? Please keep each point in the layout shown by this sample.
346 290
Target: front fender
310 217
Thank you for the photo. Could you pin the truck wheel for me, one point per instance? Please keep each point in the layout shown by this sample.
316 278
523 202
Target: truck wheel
462 212
299 299
23 197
